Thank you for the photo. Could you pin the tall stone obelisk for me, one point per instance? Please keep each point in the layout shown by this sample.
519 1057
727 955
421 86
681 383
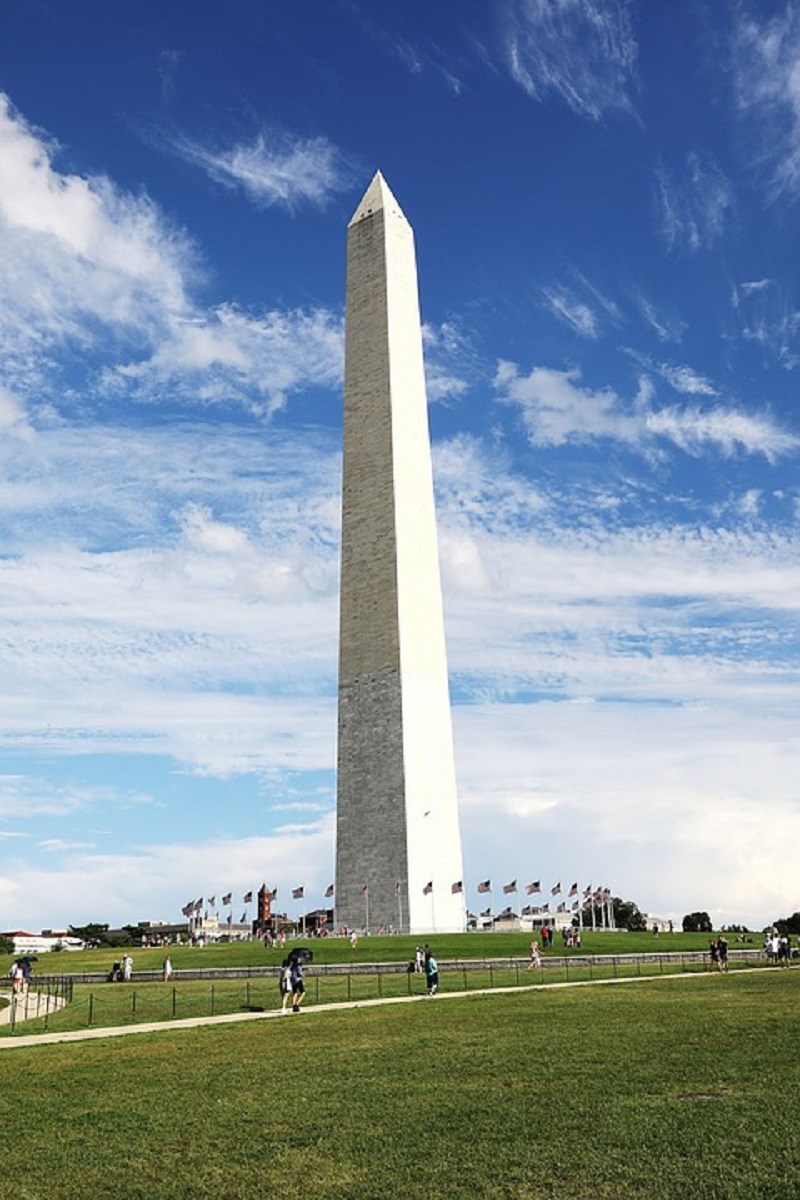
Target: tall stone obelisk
398 843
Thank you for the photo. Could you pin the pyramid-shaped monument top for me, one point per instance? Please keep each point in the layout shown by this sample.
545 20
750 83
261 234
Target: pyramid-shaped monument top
377 196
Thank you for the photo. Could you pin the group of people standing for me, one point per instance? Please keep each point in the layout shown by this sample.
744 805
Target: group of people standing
718 952
779 948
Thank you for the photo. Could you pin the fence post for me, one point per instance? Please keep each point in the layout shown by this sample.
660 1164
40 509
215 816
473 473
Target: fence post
380 983
174 1001
491 976
247 993
91 1007
316 981
349 989
212 1000
464 975
133 1003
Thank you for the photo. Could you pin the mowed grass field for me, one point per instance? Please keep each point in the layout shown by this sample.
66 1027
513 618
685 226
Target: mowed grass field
661 1090
94 1005
399 948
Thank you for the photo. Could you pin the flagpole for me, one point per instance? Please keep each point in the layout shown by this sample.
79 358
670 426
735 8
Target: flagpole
366 903
399 907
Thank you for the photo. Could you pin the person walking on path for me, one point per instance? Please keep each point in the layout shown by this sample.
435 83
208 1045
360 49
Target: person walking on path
431 972
167 969
298 986
722 952
536 960
285 986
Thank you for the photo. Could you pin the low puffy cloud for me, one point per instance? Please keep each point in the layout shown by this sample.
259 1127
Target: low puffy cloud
101 274
582 51
555 411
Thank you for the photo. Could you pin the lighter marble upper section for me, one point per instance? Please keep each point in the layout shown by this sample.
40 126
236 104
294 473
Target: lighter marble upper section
377 197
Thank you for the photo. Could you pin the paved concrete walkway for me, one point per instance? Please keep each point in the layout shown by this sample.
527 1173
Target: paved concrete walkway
25 1006
85 1035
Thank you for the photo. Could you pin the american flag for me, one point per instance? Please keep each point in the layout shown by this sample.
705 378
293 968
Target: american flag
426 891
573 891
487 912
533 887
248 897
329 891
486 886
561 908
527 910
188 909
226 899
508 888
365 890
457 888
243 918
298 893
555 890
212 900
273 894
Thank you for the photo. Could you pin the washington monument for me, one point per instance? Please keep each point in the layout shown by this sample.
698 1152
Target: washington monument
398 844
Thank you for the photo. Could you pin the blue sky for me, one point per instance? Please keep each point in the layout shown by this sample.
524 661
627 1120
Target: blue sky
605 200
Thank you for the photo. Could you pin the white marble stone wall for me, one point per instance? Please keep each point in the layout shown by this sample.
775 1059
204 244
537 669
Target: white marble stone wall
397 811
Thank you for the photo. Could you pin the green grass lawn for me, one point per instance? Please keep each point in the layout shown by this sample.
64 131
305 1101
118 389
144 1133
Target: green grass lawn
97 1005
371 949
654 1091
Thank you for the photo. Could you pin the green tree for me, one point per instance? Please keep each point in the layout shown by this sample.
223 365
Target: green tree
628 915
697 922
788 924
6 945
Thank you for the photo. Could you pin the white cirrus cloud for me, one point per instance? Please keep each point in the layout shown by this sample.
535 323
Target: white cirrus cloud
768 318
273 168
686 380
766 69
572 311
582 51
555 411
694 205
226 355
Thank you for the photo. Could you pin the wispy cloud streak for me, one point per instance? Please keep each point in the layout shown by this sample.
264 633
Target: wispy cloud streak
582 51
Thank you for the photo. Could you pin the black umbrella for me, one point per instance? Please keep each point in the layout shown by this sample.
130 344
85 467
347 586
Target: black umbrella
302 954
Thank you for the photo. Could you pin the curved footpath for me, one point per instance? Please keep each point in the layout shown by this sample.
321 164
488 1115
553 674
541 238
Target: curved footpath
85 1035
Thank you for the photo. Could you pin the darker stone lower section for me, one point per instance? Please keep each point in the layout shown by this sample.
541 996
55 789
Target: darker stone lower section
371 843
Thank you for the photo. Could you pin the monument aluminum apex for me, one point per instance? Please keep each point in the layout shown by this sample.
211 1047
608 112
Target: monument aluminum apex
398 843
